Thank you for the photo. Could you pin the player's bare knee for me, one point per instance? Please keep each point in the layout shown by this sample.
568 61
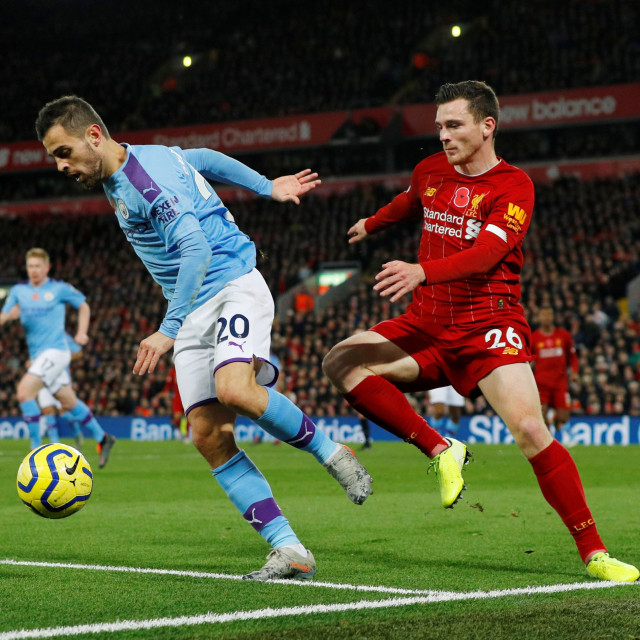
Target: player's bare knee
67 405
329 365
234 397
531 434
24 395
337 366
205 440
216 445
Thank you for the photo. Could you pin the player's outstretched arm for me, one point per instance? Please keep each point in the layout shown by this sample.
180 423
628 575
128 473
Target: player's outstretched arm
84 316
357 231
12 314
290 188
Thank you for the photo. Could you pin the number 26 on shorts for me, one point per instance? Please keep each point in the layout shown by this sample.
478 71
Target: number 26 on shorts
495 338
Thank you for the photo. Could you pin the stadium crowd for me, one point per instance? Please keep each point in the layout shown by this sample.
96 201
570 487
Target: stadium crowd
255 59
581 250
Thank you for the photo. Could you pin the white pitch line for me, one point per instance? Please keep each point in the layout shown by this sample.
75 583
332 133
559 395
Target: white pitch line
218 576
257 614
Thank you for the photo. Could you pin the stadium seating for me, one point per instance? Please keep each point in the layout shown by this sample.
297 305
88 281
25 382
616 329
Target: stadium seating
582 248
260 59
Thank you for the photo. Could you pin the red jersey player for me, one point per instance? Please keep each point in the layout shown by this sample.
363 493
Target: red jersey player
178 419
465 325
554 352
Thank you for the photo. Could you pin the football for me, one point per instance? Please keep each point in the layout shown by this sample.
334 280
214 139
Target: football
55 481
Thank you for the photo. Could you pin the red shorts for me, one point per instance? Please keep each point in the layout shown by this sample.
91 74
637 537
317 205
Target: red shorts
458 354
555 397
176 403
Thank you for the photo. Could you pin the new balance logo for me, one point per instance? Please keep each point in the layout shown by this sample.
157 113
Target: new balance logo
473 229
254 520
235 344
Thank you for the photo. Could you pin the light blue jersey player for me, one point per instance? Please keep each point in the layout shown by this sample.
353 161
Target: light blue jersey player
219 312
50 407
40 304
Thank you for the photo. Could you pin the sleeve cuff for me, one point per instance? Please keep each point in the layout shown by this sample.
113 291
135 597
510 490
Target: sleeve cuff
170 328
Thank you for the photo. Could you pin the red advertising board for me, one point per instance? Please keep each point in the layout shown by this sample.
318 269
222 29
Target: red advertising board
533 110
617 102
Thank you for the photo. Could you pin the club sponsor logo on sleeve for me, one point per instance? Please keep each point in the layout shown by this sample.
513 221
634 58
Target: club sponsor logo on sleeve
515 217
165 211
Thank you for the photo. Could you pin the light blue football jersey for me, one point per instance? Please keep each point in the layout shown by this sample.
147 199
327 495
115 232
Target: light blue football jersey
42 312
178 225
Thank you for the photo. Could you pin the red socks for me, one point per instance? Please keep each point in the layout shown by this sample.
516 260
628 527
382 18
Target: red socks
383 403
560 483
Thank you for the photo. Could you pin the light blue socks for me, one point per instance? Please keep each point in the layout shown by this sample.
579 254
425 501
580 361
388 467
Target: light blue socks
251 494
286 422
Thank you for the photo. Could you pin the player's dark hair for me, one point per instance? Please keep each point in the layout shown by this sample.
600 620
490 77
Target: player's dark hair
482 99
72 112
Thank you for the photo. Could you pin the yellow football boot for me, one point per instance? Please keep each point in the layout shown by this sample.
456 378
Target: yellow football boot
448 467
603 566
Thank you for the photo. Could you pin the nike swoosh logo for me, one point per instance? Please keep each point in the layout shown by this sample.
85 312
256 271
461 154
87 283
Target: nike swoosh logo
71 470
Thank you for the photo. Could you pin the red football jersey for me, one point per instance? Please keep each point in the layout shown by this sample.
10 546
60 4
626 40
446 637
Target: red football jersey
472 233
554 353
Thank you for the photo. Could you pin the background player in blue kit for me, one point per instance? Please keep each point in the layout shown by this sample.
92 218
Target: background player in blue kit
50 406
220 310
41 304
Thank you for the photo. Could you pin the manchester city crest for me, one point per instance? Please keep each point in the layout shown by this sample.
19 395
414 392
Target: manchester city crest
122 209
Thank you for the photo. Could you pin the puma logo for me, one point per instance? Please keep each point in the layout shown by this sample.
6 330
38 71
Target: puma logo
235 344
151 188
254 520
307 432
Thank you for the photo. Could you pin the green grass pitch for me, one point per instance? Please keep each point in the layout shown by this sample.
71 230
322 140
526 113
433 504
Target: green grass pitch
156 506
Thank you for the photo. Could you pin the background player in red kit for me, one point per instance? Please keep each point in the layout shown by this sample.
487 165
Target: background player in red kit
465 325
554 352
178 419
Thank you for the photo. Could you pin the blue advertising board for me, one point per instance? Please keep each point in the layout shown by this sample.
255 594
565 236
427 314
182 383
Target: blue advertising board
591 430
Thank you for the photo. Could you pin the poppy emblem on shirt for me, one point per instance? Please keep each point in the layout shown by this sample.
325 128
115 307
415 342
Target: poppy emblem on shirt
36 296
461 197
122 209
